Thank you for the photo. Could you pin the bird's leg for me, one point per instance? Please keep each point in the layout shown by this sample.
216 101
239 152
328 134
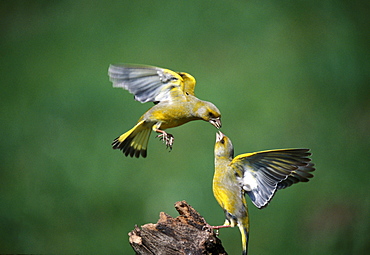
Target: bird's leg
166 138
217 227
222 226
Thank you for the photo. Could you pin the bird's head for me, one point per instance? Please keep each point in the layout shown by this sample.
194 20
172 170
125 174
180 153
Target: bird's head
210 113
223 146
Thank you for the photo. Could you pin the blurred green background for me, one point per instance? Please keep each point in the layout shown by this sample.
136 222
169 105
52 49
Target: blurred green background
283 74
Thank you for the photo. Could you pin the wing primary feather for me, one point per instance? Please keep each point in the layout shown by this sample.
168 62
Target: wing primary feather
147 83
273 170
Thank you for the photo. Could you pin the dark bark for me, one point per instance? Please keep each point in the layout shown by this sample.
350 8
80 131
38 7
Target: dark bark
188 233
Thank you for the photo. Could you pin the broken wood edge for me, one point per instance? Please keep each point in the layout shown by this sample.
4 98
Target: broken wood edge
188 233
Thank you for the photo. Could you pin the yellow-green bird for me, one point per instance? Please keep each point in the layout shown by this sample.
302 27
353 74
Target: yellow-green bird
175 104
259 174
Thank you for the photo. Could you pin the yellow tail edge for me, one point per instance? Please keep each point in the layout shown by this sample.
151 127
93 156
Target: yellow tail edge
135 141
245 238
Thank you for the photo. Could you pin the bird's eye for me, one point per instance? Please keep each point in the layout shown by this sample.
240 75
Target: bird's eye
210 114
187 93
222 141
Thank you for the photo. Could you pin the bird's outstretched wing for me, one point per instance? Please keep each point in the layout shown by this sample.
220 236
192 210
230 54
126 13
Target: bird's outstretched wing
149 83
266 171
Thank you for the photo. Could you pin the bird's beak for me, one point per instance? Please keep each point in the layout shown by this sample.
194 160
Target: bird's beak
216 122
219 136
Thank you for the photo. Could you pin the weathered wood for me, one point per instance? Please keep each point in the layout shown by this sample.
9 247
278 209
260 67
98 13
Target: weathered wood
188 233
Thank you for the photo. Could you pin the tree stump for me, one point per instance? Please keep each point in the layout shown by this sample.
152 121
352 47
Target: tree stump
188 233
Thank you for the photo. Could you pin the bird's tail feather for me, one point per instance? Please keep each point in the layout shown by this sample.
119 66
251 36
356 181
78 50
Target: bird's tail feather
245 237
135 141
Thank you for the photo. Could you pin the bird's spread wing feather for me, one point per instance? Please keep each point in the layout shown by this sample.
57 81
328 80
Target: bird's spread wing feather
148 83
301 174
266 171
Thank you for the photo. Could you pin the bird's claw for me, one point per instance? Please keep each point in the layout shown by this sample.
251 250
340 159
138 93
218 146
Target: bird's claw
167 139
207 227
217 232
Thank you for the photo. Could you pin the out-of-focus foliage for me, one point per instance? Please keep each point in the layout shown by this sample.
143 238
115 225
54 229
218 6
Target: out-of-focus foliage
283 73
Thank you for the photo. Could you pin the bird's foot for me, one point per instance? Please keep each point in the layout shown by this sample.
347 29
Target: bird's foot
166 138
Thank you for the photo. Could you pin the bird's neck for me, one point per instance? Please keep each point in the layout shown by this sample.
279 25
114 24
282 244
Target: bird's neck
198 110
221 162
